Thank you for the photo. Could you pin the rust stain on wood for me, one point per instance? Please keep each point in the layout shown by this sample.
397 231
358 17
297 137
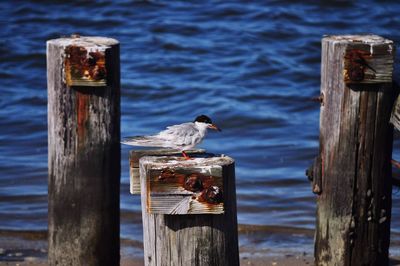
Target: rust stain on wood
368 64
194 183
211 195
84 68
166 173
82 104
169 179
134 157
356 66
175 191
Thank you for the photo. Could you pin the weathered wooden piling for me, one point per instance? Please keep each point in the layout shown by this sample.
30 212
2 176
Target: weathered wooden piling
83 79
189 211
352 174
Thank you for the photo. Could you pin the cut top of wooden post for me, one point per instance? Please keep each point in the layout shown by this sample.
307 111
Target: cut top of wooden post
135 155
354 38
85 60
172 185
368 59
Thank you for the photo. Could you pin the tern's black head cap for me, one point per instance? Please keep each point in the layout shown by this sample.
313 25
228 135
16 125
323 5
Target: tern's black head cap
203 119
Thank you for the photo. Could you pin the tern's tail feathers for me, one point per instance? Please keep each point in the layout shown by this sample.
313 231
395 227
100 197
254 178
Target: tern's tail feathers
144 141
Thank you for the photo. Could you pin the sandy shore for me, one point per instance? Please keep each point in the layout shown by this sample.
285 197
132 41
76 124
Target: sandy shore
18 258
288 260
23 248
259 261
30 248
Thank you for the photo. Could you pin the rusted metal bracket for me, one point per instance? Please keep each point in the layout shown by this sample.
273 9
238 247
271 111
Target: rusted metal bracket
185 191
85 68
356 66
314 174
365 63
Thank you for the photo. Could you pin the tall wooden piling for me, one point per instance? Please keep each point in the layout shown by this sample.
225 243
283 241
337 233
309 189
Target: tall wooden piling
352 175
83 79
189 211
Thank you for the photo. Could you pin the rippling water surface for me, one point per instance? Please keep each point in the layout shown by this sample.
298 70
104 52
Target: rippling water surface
251 66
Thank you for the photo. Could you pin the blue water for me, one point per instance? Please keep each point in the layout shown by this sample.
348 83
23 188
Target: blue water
250 66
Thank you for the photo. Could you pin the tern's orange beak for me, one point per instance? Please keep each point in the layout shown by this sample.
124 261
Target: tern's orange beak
213 126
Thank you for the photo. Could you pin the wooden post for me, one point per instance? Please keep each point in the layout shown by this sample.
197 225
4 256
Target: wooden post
189 211
84 150
353 173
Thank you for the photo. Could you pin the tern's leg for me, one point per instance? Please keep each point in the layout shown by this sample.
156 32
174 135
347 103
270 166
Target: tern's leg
185 155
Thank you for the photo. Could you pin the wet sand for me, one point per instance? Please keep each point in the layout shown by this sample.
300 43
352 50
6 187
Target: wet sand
33 256
30 248
136 262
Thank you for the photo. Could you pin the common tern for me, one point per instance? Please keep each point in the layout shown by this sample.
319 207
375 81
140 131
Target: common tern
180 137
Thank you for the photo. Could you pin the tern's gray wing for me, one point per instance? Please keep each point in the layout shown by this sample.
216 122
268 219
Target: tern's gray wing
185 134
145 141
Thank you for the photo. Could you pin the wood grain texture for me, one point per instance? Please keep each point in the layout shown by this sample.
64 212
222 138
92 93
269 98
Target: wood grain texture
84 160
354 208
200 239
135 155
184 190
368 60
395 116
